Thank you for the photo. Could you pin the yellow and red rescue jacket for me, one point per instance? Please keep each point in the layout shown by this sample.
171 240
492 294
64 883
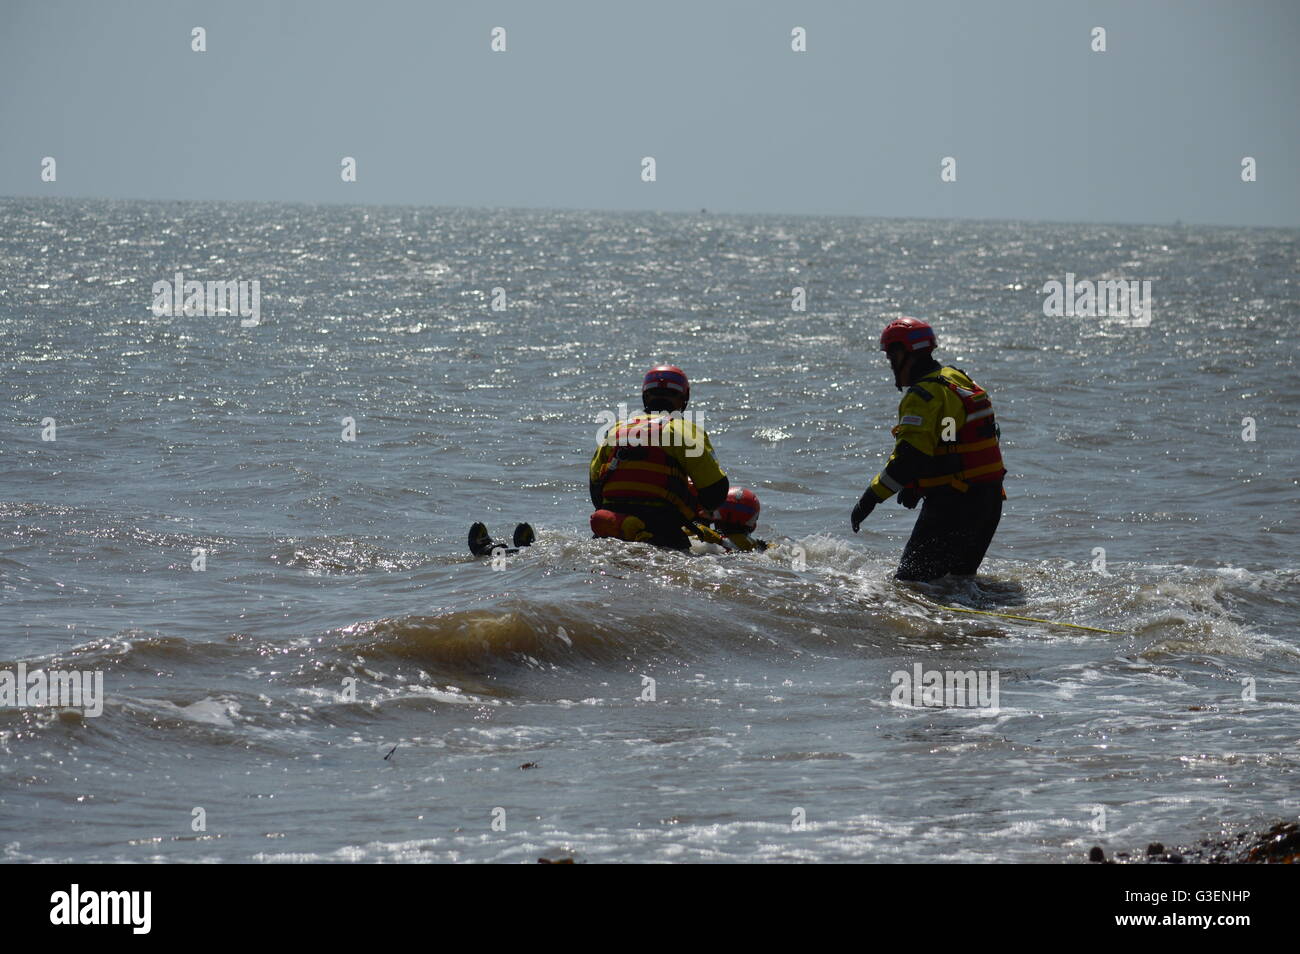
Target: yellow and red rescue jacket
946 422
649 460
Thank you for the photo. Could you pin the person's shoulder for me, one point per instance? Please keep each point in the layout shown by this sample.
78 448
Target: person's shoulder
685 423
922 393
639 419
958 376
744 542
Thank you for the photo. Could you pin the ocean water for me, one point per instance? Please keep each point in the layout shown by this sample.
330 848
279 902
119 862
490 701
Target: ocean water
772 734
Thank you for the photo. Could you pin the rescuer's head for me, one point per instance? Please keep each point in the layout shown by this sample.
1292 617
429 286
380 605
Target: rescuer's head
906 341
665 388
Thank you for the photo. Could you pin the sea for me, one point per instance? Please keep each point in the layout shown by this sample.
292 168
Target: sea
251 530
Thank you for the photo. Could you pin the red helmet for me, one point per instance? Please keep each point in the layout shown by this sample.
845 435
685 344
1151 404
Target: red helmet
739 512
912 333
667 376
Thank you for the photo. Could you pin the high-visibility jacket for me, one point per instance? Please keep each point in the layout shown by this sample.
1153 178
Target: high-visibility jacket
946 436
647 460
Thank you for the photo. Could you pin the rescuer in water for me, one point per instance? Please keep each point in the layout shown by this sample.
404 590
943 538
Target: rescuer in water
652 474
736 519
946 453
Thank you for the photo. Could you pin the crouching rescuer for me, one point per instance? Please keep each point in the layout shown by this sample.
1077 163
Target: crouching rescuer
653 473
946 453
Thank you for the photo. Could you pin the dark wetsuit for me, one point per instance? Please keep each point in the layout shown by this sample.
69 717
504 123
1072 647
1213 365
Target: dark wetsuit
952 533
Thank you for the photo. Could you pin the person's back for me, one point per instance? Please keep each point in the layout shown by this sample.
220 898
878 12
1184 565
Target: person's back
651 473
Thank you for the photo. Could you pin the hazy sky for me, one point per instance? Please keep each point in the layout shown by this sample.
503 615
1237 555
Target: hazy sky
1152 130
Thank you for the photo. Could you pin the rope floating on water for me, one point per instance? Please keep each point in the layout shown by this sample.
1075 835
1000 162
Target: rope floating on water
1034 619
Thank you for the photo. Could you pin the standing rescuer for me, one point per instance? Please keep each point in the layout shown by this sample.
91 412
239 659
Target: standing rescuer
651 474
946 453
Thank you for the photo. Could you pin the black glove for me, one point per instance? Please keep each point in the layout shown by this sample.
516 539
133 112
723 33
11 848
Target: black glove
909 497
864 507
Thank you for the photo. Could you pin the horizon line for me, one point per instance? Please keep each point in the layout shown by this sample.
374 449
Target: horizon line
1177 223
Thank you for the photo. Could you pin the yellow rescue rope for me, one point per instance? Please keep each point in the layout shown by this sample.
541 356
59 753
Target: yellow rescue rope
1034 619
